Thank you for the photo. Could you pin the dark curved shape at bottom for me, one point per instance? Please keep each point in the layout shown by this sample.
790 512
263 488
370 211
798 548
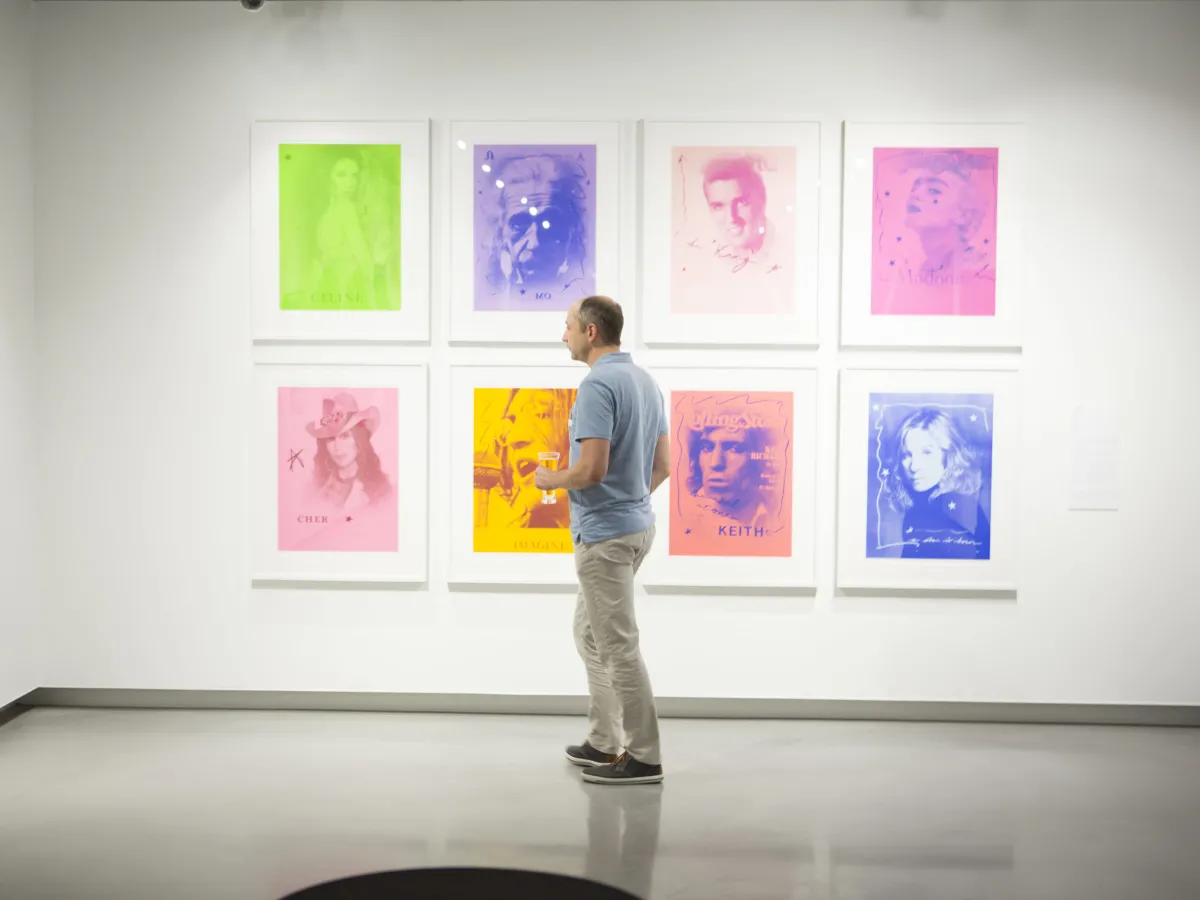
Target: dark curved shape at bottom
460 883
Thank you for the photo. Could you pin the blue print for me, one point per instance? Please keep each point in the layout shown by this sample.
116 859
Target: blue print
929 476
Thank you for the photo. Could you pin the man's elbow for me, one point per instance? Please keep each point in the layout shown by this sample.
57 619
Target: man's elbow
595 472
661 473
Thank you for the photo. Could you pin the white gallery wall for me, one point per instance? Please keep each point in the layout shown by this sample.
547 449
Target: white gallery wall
145 357
19 409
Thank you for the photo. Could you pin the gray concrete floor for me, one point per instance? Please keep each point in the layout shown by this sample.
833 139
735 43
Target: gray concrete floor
149 804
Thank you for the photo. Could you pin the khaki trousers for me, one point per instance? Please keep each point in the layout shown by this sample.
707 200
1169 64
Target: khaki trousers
621 711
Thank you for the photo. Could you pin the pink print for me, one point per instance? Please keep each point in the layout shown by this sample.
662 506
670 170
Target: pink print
733 230
731 487
934 237
338 449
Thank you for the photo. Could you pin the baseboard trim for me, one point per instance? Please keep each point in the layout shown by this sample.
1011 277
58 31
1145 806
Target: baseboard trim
669 707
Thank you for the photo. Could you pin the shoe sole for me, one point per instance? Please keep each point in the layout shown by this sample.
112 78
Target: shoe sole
643 779
580 761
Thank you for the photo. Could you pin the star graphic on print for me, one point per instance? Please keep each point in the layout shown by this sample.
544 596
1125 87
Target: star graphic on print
349 518
887 193
974 418
908 530
899 239
952 505
687 531
875 408
891 262
887 472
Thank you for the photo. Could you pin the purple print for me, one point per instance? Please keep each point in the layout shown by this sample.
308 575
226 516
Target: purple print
535 226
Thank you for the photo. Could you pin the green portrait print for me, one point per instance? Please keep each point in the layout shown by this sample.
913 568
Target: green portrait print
339 227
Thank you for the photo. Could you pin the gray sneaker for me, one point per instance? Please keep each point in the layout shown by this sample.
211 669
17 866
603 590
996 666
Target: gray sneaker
586 755
625 770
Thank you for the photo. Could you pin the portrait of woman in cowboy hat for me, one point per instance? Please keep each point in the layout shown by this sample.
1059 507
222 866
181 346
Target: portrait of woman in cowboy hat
338 452
347 474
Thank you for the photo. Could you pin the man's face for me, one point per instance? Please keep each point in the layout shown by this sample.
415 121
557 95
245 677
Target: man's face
734 211
575 337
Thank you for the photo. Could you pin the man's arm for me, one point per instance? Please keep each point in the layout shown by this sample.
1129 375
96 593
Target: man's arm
661 470
591 467
594 416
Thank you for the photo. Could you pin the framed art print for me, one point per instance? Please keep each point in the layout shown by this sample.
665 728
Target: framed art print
929 479
505 422
534 218
340 231
730 232
739 507
340 473
932 235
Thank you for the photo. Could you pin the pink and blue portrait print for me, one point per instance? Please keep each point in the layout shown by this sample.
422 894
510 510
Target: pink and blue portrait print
929 476
535 226
934 231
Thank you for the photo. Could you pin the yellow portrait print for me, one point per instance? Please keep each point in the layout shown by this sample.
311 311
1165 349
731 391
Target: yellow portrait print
516 430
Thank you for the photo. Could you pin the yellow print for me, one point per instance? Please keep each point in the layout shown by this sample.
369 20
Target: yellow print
513 426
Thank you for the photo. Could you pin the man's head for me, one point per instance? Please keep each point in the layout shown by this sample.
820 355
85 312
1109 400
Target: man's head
593 324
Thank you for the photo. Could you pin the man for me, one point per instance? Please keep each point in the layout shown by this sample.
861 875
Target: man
620 454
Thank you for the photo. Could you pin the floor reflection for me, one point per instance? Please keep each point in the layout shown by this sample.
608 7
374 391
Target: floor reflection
133 805
622 835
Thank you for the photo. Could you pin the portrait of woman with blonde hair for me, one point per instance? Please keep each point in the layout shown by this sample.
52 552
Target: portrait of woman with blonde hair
932 467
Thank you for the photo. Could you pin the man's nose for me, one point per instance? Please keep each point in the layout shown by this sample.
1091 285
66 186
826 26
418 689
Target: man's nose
719 459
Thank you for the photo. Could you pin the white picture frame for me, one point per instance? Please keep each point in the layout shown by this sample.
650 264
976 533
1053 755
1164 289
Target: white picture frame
868 545
791 572
952 315
407 469
556 567
792 205
525 326
408 324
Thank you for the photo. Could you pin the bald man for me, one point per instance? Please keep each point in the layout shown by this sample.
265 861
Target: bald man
620 454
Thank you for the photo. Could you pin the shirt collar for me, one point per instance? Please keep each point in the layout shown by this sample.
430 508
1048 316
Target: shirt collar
618 356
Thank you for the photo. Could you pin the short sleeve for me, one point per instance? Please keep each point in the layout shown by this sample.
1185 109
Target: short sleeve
595 412
664 424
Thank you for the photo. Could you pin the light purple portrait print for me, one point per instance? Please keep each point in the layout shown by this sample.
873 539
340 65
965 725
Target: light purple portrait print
535 226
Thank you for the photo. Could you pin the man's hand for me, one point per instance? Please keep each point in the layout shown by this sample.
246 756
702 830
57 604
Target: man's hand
546 479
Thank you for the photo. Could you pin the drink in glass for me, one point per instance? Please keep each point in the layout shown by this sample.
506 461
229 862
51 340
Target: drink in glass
550 461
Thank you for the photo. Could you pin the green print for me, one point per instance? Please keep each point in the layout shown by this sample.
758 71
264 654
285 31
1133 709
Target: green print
339 226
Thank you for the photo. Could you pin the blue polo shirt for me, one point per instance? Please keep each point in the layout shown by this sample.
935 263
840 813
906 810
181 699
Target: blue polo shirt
622 404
